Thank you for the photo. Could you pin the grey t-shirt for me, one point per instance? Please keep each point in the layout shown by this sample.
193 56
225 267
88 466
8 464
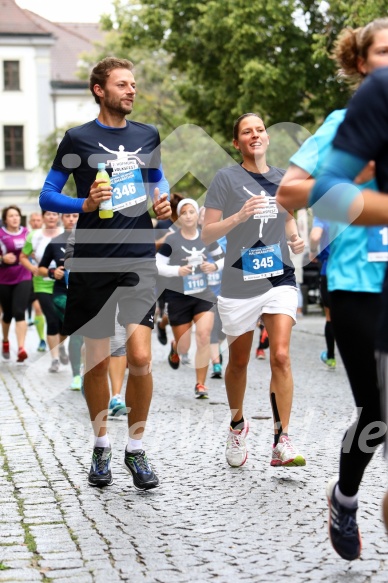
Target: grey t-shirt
257 254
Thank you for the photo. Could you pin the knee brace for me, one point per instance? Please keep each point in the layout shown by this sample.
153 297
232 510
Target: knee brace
139 371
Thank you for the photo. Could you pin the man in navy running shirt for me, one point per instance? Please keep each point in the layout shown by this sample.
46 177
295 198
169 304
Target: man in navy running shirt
114 259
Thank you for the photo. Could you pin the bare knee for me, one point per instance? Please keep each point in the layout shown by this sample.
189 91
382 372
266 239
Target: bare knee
238 362
203 338
280 359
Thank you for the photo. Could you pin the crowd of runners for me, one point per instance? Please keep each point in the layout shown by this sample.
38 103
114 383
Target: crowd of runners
214 274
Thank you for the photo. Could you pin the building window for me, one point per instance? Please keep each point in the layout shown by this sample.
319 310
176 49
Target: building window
11 76
13 147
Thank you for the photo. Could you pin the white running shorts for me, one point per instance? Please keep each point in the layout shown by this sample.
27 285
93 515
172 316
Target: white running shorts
241 315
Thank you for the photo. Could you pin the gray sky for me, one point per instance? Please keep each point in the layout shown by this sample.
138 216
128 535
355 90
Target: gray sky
68 10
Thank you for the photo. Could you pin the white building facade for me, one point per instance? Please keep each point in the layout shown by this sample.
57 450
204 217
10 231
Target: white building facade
39 92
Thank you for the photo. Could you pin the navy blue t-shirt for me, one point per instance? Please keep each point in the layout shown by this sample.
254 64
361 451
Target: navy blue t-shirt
129 233
257 254
364 129
364 133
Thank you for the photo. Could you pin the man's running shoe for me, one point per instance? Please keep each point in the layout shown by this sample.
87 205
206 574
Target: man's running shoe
22 355
42 346
54 366
264 338
63 356
260 354
343 529
329 362
286 454
201 391
117 407
173 358
100 474
136 462
185 359
162 334
5 350
217 371
76 383
236 447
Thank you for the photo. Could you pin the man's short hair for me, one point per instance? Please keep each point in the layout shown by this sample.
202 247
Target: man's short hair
102 70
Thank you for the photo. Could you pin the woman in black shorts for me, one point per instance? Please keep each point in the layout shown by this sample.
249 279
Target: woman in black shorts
184 260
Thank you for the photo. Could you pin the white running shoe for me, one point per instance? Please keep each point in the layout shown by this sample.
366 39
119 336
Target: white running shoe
54 365
286 454
236 448
185 359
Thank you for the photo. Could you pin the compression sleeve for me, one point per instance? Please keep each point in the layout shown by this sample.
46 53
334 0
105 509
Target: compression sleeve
334 189
51 197
158 180
220 263
164 267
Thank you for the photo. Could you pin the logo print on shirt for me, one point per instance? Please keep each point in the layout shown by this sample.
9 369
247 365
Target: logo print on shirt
195 257
126 180
269 213
124 161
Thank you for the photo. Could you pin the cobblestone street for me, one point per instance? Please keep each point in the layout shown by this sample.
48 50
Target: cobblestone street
207 521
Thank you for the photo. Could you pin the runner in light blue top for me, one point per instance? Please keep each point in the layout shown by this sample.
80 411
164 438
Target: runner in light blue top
355 277
356 273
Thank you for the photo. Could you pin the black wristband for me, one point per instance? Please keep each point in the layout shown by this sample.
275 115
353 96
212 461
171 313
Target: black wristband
51 272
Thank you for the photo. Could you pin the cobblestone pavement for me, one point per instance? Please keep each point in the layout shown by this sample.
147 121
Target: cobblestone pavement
207 522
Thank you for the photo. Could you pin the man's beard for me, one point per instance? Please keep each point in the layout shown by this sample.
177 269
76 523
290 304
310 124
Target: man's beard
115 106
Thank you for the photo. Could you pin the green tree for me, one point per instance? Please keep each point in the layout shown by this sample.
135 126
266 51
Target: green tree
205 63
234 56
336 16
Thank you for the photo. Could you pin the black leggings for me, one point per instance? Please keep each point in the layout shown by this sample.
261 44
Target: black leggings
354 316
14 300
75 341
48 308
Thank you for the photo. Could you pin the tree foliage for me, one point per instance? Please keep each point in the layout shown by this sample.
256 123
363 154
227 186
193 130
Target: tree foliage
235 56
206 63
